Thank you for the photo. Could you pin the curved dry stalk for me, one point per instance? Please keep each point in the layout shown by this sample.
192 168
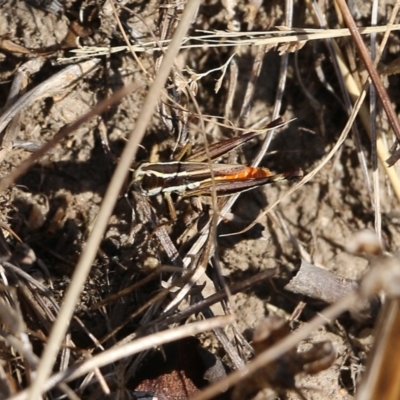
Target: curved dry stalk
119 352
61 134
362 48
282 347
202 240
49 88
280 90
18 88
92 244
358 97
128 43
378 146
355 92
311 175
382 276
335 53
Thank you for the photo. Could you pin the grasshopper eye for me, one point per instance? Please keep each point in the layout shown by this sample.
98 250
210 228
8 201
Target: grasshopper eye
150 184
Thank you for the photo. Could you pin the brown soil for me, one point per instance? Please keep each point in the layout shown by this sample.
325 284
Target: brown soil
52 207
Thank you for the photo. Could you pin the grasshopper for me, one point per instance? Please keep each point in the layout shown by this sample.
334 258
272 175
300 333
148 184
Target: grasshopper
193 176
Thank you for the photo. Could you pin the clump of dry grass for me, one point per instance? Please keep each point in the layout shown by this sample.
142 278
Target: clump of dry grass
42 348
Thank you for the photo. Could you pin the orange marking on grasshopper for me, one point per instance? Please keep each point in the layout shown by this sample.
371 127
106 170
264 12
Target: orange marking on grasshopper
193 177
247 173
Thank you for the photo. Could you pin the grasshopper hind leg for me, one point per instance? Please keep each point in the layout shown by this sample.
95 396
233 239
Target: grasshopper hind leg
171 207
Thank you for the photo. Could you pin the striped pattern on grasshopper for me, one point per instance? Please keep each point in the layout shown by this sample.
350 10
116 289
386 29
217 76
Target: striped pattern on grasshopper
193 176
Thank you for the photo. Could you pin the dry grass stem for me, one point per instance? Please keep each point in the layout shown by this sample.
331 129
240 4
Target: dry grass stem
83 267
283 36
179 199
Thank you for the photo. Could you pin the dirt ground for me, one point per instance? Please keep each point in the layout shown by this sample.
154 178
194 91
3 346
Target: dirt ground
53 207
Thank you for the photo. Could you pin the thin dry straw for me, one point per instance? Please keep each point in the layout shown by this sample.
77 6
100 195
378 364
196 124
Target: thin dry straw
118 352
220 39
90 250
280 348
